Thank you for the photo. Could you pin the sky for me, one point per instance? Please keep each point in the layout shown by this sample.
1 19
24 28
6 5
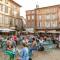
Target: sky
31 4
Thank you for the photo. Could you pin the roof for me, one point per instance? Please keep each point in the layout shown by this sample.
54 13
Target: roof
29 10
49 6
15 3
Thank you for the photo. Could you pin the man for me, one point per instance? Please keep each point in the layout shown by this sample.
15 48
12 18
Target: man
41 48
41 41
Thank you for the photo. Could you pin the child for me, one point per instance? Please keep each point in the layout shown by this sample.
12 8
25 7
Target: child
24 55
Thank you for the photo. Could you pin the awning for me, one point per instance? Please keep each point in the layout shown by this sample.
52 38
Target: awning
41 31
53 32
30 30
5 30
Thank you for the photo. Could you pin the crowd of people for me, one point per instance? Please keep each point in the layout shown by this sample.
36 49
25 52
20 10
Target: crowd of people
27 43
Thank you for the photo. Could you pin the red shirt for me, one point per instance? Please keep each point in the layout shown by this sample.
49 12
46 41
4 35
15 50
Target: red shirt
15 38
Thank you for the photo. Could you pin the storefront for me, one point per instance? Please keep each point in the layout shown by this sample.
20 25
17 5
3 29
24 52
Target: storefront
6 31
30 30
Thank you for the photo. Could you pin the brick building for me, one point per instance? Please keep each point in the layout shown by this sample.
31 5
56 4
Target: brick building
30 19
44 19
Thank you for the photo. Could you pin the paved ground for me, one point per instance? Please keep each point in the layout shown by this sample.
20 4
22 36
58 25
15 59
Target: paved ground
50 55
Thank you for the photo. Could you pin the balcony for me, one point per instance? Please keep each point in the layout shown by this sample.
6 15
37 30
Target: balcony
48 27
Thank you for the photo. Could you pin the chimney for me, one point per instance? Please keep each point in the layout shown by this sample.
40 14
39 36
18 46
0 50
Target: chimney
37 6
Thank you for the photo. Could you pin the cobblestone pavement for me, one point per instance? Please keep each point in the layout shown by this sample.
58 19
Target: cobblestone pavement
50 55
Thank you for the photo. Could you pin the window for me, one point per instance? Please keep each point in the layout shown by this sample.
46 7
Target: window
16 22
0 18
28 25
47 24
28 17
54 24
13 21
15 13
9 9
48 17
33 24
3 19
3 8
39 17
40 24
54 16
10 21
6 20
6 9
0 7
6 1
59 15
19 23
12 11
14 7
32 17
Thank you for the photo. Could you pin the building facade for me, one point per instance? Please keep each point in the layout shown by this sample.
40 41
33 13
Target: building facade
45 19
30 20
9 14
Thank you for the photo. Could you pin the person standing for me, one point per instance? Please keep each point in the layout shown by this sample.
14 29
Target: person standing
14 37
24 54
1 41
41 40
57 41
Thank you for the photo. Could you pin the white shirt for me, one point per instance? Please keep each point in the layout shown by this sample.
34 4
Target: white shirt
41 41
